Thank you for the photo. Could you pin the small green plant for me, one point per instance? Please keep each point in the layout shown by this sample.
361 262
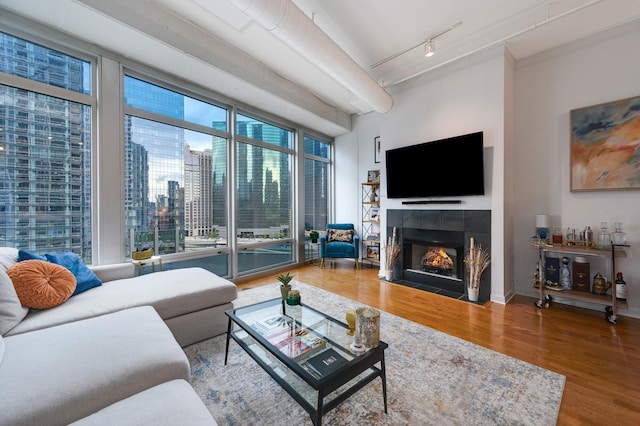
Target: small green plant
285 279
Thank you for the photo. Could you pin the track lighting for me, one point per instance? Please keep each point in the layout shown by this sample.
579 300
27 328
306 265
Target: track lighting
429 48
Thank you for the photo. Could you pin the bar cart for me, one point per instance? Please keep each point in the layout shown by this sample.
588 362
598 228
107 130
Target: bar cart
610 302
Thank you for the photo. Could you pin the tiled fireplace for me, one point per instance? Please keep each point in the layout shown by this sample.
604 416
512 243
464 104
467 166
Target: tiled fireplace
434 243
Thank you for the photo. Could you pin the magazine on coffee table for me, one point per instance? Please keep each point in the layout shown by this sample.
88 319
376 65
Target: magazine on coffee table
296 342
326 362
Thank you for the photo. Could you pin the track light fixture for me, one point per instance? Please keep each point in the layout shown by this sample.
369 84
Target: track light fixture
429 48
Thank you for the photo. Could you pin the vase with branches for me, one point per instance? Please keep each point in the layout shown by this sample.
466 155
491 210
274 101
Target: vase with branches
391 251
476 260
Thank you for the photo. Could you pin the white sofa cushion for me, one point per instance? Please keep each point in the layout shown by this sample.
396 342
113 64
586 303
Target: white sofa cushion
62 374
168 404
8 257
11 310
172 293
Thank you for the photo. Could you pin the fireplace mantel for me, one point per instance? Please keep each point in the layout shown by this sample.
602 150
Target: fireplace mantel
465 224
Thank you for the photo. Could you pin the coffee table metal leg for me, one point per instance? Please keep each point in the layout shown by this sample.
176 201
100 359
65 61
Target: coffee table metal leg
318 419
226 351
383 376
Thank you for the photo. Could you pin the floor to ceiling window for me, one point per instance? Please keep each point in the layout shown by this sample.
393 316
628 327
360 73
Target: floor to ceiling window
316 183
195 188
264 176
317 161
175 170
45 149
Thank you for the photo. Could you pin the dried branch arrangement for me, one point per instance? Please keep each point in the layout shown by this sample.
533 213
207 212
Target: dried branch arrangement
392 249
476 260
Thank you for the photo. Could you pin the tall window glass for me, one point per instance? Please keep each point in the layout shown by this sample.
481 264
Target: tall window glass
175 170
264 193
45 149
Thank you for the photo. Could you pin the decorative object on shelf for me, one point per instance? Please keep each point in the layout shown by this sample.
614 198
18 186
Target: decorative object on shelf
556 237
602 159
604 238
565 274
351 321
588 237
600 284
377 149
368 326
373 176
314 236
552 272
391 251
581 274
543 222
571 236
618 237
476 260
373 195
285 287
621 287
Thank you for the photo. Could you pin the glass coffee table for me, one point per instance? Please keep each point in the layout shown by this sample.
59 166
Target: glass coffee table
306 352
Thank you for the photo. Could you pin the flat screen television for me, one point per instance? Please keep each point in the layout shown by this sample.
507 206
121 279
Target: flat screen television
451 167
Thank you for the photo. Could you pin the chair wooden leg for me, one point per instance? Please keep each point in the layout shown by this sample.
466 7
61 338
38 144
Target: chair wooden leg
356 264
322 263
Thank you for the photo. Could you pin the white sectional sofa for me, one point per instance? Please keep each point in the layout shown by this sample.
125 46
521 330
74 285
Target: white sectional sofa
111 354
191 301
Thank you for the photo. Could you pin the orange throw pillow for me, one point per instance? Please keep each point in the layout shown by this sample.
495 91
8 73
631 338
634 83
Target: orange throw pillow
40 284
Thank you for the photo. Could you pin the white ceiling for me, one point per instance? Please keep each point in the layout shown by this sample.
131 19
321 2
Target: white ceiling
214 44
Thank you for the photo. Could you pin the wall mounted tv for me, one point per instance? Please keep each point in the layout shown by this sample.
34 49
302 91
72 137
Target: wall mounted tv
443 168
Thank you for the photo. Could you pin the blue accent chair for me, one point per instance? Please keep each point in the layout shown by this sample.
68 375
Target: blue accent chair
339 249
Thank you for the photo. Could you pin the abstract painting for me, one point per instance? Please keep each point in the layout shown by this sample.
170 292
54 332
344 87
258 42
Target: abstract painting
605 146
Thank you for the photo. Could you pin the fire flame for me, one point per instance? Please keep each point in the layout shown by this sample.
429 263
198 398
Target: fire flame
437 258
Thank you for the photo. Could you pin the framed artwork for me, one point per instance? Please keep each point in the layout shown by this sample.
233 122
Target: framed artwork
373 176
377 151
605 146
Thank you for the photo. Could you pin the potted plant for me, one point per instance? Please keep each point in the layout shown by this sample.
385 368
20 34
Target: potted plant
314 236
285 279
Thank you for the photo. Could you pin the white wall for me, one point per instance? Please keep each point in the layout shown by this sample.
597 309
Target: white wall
461 98
599 69
525 117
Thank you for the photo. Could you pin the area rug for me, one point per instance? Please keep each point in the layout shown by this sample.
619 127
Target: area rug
432 378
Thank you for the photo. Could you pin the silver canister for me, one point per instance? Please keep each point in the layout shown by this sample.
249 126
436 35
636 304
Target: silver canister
588 236
368 326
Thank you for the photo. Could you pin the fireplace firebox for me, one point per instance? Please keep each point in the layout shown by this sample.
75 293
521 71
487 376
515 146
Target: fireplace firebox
433 245
434 258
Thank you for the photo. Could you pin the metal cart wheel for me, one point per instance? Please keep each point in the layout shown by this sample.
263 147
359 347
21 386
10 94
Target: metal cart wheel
541 304
608 315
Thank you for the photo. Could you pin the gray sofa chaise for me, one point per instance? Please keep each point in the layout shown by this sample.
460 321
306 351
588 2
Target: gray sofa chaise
111 354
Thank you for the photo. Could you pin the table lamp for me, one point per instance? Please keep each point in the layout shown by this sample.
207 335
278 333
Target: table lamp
543 222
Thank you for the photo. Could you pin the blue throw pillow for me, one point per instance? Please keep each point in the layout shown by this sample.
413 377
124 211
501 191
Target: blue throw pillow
85 278
26 255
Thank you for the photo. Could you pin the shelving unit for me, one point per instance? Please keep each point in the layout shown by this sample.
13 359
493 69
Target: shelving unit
371 222
610 302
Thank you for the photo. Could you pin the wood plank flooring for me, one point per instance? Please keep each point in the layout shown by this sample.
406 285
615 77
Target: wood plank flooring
601 361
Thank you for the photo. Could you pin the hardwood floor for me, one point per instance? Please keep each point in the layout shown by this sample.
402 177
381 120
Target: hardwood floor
601 361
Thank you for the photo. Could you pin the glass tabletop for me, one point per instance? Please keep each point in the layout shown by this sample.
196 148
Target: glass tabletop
308 341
